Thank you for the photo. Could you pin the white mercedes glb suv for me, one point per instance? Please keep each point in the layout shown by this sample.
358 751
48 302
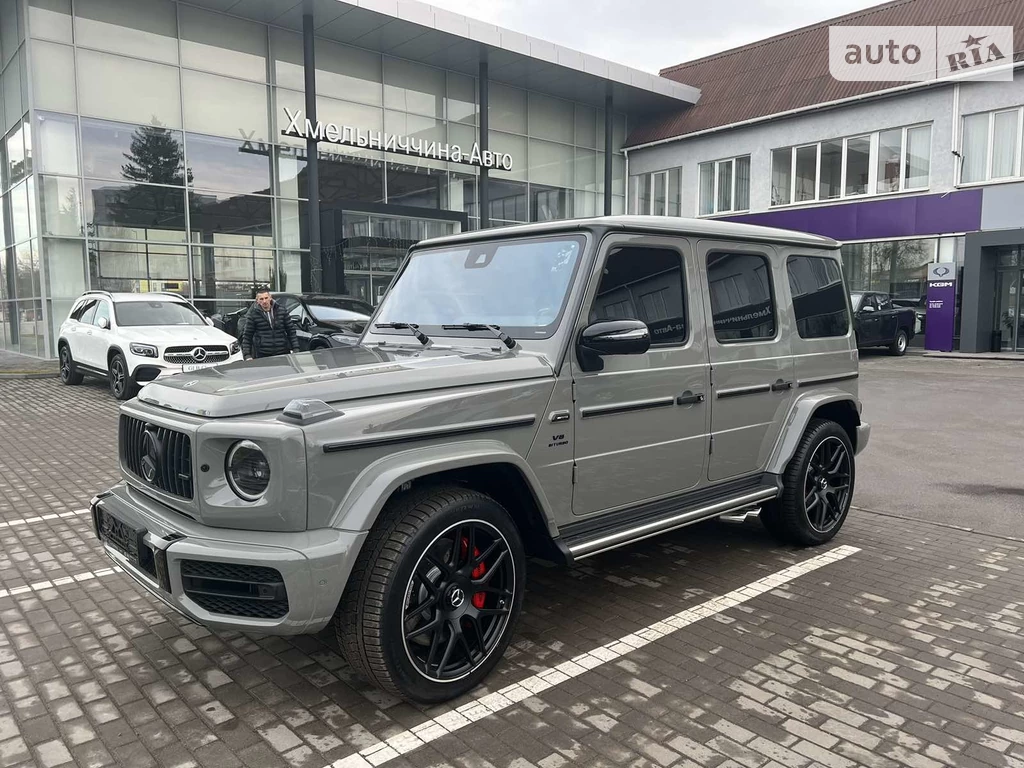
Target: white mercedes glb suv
133 338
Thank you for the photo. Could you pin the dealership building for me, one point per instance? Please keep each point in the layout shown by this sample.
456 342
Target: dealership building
162 145
903 174
209 146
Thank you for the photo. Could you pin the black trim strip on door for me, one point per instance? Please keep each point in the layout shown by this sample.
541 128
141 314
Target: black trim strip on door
827 379
432 433
755 389
639 405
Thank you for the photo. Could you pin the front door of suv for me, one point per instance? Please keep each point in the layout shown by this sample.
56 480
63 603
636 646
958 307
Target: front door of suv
94 338
641 422
751 358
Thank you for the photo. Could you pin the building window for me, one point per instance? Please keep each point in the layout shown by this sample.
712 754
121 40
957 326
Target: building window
884 162
819 299
656 194
897 268
741 297
990 148
724 186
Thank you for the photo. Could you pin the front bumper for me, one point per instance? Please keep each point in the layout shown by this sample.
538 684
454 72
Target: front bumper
863 436
271 583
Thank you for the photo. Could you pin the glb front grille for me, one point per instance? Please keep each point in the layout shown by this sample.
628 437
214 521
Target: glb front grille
160 456
250 591
196 354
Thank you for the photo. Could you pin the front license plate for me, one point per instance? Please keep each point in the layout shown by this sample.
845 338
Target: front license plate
196 367
120 536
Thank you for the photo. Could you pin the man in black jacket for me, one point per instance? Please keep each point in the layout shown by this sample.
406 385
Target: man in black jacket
269 330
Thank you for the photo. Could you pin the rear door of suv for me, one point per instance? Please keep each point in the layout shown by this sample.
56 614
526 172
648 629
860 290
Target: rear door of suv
751 359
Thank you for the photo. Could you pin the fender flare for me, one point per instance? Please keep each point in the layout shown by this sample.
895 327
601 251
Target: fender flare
370 491
799 417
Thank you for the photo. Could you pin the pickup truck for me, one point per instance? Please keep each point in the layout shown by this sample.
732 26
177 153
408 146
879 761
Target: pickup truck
880 323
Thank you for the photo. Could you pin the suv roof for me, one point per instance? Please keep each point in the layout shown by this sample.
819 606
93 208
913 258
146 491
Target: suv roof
675 225
118 298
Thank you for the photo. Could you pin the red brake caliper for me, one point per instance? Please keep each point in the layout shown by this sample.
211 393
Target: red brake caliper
480 597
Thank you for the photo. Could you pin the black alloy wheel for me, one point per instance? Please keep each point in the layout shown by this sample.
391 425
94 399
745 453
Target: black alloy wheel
121 385
458 601
827 484
68 374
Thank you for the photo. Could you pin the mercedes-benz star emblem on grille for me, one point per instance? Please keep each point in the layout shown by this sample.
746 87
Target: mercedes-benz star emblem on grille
199 354
152 448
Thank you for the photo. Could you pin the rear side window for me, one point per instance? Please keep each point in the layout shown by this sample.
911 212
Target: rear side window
89 314
740 286
82 308
644 284
819 301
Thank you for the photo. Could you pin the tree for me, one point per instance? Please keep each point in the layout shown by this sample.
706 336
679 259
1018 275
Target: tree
155 157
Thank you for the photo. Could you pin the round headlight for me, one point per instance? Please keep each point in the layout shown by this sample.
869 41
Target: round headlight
248 470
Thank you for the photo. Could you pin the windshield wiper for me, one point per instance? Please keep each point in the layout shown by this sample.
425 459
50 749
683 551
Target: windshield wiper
421 337
505 339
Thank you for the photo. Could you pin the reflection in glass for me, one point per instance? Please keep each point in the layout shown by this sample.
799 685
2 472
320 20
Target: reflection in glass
224 218
138 266
586 126
61 206
411 87
831 184
144 28
224 106
461 196
228 165
223 44
26 273
50 19
415 186
14 104
53 76
890 146
145 93
289 266
17 168
65 267
351 178
21 225
782 176
550 118
918 157
144 153
507 201
230 273
291 172
741 296
57 140
506 108
806 173
819 300
461 104
551 163
134 211
292 224
549 203
858 164
341 71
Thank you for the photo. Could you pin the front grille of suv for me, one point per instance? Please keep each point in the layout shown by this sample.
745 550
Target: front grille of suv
187 356
164 459
233 589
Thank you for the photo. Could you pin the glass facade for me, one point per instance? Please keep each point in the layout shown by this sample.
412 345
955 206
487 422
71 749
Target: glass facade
149 156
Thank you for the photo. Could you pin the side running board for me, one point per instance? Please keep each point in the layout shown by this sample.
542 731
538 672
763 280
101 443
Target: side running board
609 531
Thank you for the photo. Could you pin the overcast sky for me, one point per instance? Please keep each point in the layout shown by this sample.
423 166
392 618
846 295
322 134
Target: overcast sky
652 34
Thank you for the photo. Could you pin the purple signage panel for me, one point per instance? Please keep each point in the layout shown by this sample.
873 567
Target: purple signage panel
940 315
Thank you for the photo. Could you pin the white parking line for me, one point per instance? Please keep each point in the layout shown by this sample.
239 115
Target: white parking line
492 703
40 518
61 582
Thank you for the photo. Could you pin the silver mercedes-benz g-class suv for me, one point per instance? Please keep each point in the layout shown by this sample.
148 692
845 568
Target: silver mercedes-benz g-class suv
555 390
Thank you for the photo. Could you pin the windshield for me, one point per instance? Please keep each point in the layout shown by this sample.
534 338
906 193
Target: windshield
519 285
331 310
130 313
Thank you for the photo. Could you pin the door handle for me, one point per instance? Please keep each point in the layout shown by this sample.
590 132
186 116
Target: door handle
689 398
780 385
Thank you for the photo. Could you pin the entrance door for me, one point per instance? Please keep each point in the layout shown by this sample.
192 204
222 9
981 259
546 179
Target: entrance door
373 246
641 420
1007 306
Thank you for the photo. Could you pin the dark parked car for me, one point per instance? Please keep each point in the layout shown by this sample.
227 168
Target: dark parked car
880 323
321 319
920 307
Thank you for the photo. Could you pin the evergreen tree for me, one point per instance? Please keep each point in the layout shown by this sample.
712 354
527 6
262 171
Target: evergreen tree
155 157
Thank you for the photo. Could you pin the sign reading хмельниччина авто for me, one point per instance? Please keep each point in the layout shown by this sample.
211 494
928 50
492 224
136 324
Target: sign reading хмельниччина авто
392 142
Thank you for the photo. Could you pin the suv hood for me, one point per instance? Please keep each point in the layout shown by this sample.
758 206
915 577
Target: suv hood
174 335
336 375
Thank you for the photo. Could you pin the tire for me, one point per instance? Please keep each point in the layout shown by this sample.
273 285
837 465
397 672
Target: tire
121 385
806 514
397 593
899 344
69 373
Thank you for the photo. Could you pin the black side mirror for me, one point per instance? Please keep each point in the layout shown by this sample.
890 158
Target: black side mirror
612 337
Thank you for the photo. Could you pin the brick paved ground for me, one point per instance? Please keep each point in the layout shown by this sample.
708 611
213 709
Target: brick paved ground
907 653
